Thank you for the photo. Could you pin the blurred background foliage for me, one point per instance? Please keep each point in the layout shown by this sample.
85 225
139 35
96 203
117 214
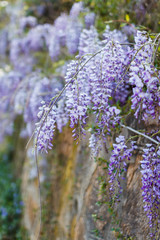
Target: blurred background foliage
47 10
139 12
11 205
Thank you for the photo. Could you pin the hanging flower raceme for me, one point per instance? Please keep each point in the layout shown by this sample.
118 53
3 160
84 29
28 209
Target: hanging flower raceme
45 128
29 21
73 32
76 9
144 78
89 42
77 97
90 19
107 71
95 144
120 154
53 44
151 185
60 25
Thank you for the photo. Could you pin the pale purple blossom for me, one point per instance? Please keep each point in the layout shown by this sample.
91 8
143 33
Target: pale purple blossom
143 78
73 32
61 27
3 42
95 143
28 21
89 41
129 30
118 164
150 170
76 9
35 39
89 19
114 35
45 128
15 49
54 45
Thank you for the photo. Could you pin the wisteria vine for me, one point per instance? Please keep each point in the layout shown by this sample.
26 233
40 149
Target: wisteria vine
107 75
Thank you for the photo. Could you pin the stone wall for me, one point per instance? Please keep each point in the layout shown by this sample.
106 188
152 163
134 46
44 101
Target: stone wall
76 203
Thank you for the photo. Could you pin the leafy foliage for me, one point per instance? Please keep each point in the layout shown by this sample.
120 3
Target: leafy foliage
11 205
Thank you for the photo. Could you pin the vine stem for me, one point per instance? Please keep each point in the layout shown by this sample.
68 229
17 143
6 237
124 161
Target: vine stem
39 191
154 55
139 133
121 21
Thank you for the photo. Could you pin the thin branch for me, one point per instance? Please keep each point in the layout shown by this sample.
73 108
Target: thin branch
155 52
139 133
132 137
155 133
132 44
39 189
121 21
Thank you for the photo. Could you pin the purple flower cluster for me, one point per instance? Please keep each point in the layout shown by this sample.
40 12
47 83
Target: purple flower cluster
22 96
151 185
41 89
50 118
34 40
89 42
144 78
62 116
99 84
114 35
53 45
61 28
51 37
3 42
77 99
120 154
45 128
22 90
95 144
74 29
94 84
15 49
129 30
29 21
9 82
103 75
90 19
76 9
